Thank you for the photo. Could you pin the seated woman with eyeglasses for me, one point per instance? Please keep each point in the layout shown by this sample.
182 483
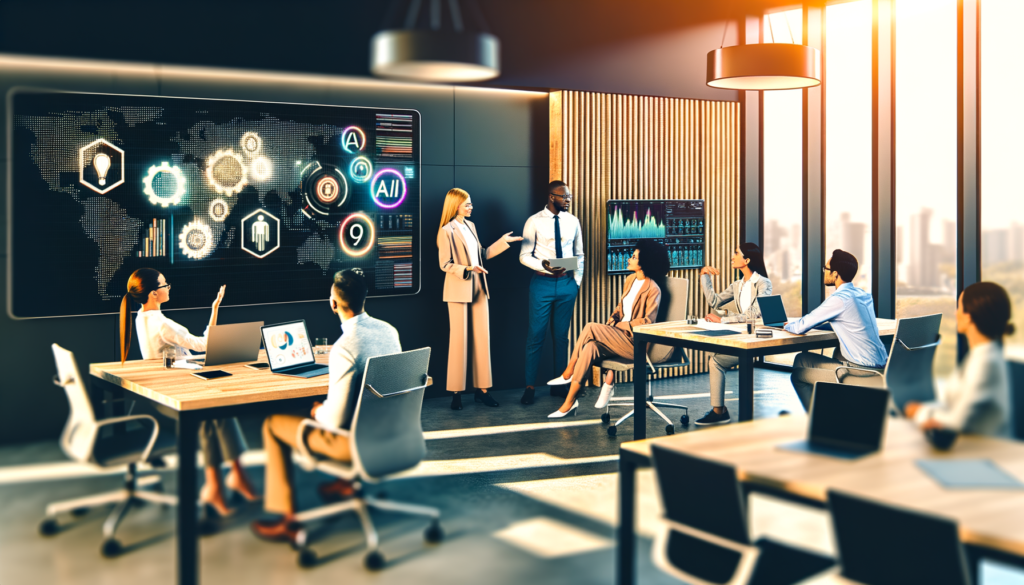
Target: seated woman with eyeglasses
149 288
639 304
976 398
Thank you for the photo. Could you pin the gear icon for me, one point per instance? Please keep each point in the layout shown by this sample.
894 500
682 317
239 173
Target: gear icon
227 176
179 185
196 240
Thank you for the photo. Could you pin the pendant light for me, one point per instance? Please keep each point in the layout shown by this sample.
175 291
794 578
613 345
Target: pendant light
764 66
435 55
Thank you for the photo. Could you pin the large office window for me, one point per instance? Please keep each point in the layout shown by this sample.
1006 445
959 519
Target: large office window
1002 224
926 165
783 173
848 135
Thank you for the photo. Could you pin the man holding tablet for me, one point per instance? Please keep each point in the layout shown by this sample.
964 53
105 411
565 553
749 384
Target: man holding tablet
362 337
551 240
851 312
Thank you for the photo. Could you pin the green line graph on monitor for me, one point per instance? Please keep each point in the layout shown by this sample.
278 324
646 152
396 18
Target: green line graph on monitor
634 220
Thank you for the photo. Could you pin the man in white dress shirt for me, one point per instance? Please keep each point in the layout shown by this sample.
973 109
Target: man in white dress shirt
549 234
362 337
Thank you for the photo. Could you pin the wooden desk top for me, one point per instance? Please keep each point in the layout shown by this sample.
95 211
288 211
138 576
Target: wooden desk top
987 517
180 390
680 330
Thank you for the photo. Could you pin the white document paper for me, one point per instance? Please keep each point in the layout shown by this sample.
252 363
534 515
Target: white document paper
570 263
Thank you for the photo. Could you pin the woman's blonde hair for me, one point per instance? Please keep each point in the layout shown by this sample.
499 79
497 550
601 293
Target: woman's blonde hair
452 201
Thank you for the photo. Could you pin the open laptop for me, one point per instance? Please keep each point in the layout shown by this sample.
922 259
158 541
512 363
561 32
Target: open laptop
846 421
231 344
289 351
773 312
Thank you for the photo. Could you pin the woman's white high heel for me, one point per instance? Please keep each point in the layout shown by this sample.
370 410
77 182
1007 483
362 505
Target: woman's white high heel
572 411
558 381
607 391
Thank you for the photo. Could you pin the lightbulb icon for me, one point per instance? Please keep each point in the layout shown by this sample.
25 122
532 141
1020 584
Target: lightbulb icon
102 164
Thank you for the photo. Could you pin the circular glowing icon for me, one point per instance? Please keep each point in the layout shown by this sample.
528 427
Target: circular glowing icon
282 340
196 240
361 169
165 185
356 235
226 172
353 139
251 143
261 168
388 188
327 190
219 210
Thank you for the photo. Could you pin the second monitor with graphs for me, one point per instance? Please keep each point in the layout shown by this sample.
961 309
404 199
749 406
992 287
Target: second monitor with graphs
676 223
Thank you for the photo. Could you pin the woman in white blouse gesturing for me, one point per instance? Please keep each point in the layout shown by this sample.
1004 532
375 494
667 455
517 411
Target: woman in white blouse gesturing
976 398
149 288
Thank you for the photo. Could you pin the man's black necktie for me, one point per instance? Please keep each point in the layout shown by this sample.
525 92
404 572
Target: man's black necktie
558 238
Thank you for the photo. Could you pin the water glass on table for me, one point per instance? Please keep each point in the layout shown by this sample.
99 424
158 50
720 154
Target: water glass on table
322 346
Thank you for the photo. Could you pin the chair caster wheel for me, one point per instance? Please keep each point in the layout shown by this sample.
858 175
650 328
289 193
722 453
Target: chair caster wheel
49 527
79 512
434 533
373 560
111 548
612 431
684 420
307 558
670 430
605 418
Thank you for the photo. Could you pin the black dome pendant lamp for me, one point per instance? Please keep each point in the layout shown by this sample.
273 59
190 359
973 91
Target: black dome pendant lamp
764 66
435 54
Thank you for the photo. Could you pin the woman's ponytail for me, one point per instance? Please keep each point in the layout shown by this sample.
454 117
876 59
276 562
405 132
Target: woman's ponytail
126 327
142 282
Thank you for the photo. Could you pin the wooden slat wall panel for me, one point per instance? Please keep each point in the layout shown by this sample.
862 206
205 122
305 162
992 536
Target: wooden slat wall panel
608 146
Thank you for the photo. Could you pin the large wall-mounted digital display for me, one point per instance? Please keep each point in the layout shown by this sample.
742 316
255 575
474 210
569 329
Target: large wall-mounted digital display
270 199
676 223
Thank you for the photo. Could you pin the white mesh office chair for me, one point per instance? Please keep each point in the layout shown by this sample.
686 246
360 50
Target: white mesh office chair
82 441
386 438
674 300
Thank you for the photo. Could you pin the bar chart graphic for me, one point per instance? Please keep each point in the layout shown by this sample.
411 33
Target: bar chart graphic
631 221
154 242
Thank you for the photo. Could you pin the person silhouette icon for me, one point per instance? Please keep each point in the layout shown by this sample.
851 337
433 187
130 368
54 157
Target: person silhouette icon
260 233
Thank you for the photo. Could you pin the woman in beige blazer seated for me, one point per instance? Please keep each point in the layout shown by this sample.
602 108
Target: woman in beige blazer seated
461 257
220 439
641 298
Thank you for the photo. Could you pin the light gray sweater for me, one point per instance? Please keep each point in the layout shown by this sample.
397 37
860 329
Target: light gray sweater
762 288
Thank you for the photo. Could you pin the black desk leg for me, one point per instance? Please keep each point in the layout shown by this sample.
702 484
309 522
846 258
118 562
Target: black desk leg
639 388
746 387
188 537
626 557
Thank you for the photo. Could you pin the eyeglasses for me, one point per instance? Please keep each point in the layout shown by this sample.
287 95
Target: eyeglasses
826 270
566 196
168 285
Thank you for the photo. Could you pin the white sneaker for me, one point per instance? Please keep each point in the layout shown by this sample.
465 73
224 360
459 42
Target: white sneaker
559 381
607 391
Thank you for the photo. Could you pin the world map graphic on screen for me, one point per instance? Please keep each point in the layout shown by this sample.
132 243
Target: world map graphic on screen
270 199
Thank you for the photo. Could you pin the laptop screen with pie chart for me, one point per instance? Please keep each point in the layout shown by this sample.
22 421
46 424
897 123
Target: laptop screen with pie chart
287 345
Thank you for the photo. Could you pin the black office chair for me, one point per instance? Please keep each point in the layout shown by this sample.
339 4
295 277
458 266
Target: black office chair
883 545
705 540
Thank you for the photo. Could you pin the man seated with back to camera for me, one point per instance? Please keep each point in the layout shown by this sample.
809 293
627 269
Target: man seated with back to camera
851 313
362 337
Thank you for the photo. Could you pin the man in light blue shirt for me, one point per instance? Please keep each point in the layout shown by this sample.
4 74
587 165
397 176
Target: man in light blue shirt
851 313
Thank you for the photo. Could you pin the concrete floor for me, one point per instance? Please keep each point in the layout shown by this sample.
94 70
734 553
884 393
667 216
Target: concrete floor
532 506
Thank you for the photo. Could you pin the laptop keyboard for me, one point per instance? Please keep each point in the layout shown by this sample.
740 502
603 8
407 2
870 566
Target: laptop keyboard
304 369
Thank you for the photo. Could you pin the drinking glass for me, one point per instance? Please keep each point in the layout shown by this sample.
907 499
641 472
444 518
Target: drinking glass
321 346
169 355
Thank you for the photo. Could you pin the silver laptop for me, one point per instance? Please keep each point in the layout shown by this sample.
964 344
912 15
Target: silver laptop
231 344
289 351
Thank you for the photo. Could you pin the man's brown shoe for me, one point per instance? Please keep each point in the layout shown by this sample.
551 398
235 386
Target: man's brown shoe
275 530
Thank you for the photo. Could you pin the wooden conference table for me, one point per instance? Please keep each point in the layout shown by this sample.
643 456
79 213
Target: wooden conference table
745 346
989 519
190 400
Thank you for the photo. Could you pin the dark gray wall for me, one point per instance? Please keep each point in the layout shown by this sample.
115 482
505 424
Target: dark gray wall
493 143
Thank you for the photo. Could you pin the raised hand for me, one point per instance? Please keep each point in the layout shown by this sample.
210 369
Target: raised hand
509 238
709 270
220 297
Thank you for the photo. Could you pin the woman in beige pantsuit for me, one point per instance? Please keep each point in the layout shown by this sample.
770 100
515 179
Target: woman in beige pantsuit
461 257
639 304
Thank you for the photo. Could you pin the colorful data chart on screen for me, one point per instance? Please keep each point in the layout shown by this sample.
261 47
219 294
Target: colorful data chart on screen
269 199
678 224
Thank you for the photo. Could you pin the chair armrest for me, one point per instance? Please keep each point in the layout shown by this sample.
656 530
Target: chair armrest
926 346
851 368
123 419
306 460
